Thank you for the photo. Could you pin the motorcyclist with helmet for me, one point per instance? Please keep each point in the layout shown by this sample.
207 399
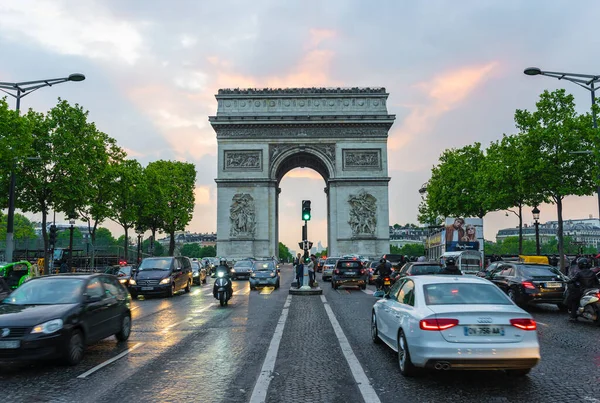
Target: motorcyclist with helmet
383 269
451 268
226 270
584 279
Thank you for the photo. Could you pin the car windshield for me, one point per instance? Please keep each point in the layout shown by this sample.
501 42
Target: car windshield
125 270
425 269
464 294
331 261
155 264
48 291
195 265
243 263
393 258
349 265
264 266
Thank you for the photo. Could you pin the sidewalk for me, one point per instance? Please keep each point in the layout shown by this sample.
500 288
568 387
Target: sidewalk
310 366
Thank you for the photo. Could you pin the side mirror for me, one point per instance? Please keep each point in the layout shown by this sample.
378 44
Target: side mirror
379 294
481 274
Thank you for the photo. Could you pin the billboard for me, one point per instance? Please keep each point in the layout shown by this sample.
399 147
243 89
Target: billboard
463 234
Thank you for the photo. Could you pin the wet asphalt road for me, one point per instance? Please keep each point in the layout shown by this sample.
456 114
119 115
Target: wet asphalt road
189 349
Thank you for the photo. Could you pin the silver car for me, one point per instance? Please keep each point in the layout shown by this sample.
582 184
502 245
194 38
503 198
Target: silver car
453 323
328 267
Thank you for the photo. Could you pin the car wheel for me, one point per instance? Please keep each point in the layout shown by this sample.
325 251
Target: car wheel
125 331
171 291
406 366
188 287
517 372
277 284
374 332
74 349
513 296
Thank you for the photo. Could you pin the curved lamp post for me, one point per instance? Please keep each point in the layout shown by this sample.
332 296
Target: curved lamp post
20 90
586 81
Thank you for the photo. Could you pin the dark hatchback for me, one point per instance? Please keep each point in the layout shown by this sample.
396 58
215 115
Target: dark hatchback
349 272
417 269
57 316
122 272
529 283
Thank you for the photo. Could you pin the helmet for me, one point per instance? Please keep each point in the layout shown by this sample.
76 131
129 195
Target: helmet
583 263
382 260
223 261
450 261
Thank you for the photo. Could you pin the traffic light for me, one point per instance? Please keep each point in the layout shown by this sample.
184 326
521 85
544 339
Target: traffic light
52 236
306 210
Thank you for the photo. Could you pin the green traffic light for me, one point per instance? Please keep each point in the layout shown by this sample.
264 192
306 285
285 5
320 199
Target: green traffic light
306 216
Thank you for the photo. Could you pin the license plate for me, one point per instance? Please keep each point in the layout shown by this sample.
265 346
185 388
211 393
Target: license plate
10 344
553 285
350 273
147 288
387 282
483 331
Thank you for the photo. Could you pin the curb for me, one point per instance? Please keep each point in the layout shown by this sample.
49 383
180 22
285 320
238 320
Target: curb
312 291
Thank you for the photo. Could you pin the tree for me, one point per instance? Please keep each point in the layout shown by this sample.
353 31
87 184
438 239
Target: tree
152 199
22 226
63 237
413 249
192 250
208 251
510 179
178 192
157 248
123 204
550 135
284 253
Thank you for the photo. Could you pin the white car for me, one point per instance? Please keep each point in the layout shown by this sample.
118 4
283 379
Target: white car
455 322
328 267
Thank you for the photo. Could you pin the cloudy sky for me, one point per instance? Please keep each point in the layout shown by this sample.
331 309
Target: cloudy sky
454 71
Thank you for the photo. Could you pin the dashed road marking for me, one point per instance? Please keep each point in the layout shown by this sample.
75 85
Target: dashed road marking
166 329
543 324
369 292
105 363
365 387
259 394
267 290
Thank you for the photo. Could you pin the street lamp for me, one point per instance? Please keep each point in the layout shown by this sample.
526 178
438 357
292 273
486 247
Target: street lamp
22 89
586 81
536 218
72 222
139 246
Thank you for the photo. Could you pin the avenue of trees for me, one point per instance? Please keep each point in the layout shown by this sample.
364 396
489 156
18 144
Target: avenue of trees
63 163
536 165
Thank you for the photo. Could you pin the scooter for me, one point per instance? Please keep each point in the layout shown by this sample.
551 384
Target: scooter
589 305
222 285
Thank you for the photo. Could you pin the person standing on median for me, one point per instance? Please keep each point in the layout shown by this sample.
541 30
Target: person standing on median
311 270
299 272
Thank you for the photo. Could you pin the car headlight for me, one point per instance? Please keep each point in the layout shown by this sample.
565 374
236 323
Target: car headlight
220 274
272 274
122 280
48 327
165 280
132 281
196 274
253 275
233 270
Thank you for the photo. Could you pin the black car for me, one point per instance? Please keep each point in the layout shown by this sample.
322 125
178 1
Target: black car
417 269
242 268
57 316
162 275
349 272
527 283
122 272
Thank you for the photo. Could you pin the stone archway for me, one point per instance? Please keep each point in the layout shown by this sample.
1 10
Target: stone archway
264 133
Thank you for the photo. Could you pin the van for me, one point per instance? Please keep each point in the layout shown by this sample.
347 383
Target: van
468 261
161 275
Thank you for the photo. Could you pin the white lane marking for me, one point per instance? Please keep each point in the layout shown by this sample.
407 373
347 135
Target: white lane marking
369 292
105 363
366 390
259 394
166 329
543 324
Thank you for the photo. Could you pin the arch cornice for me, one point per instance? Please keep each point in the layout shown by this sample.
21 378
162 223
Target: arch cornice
280 153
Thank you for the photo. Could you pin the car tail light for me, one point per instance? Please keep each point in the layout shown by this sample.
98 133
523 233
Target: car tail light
528 284
362 271
386 279
336 271
524 324
437 323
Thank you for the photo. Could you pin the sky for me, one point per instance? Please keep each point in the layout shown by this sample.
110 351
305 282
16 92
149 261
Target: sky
453 69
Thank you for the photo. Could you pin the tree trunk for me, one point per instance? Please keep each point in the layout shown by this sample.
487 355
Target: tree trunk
126 241
520 229
559 234
152 241
46 243
172 243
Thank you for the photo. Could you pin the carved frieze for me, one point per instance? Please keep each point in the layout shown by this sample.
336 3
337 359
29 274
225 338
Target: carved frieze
354 159
242 214
242 160
363 213
295 132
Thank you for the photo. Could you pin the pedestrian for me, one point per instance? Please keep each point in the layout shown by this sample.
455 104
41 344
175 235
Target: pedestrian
299 272
311 270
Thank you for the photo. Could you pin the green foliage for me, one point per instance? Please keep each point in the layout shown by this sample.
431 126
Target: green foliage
284 253
63 237
190 250
320 254
159 250
104 238
510 246
208 251
409 249
23 228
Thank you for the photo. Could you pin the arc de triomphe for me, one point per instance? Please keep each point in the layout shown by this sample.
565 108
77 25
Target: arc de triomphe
264 133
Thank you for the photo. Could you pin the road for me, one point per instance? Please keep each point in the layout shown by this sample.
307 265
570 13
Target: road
279 348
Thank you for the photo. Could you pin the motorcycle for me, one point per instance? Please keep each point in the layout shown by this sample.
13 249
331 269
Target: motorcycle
589 305
222 286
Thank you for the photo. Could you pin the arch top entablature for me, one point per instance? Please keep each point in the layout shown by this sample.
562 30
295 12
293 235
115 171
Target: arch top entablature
285 157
